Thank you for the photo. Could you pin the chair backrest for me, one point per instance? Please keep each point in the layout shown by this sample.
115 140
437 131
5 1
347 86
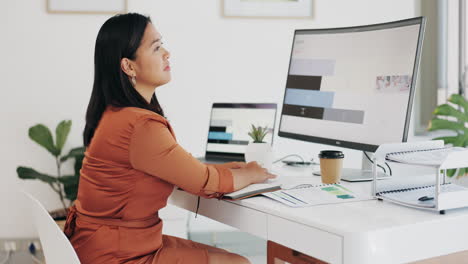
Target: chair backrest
55 245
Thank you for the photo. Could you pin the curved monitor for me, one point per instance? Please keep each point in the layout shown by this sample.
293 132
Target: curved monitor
352 87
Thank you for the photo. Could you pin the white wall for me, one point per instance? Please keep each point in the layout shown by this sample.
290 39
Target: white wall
47 67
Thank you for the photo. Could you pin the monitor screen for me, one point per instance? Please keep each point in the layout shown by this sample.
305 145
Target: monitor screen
352 87
230 124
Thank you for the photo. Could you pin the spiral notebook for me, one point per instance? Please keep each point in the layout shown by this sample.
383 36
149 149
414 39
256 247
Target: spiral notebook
429 157
306 195
419 196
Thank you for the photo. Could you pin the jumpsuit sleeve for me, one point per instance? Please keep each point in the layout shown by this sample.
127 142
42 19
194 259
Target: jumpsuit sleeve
154 150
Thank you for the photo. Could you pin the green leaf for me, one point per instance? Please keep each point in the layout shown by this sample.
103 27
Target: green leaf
258 133
26 173
437 124
70 186
73 153
78 164
71 192
42 136
451 172
460 141
447 110
462 172
449 140
61 134
68 179
459 100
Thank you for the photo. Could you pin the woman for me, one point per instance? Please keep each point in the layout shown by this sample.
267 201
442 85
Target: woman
132 160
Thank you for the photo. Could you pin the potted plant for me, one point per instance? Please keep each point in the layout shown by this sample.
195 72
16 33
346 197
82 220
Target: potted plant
258 150
454 120
65 185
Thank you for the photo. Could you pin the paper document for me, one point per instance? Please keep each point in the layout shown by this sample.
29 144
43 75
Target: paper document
433 157
316 195
420 196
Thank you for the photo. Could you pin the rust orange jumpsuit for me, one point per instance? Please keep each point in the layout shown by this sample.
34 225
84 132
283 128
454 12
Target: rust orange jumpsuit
130 168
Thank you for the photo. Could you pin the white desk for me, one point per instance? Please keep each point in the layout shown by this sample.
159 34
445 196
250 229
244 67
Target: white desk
349 233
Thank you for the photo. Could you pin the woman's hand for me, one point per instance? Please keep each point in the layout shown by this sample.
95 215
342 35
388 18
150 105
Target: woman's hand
234 165
249 174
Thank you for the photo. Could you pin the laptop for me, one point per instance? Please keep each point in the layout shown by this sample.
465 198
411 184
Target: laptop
229 126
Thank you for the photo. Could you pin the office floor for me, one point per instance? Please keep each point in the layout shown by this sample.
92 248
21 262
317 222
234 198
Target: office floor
20 257
251 247
200 229
25 258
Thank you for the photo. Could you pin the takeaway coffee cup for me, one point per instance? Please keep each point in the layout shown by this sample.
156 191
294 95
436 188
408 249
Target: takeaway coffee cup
331 163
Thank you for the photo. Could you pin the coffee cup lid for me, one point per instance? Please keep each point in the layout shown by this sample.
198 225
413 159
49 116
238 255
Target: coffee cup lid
331 154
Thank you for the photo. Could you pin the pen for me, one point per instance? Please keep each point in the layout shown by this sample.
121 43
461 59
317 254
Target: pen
293 197
425 198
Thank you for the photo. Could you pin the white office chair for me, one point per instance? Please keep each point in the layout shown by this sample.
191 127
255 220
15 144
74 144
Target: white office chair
55 245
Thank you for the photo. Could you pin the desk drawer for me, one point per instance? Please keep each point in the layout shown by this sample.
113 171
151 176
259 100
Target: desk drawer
243 218
308 240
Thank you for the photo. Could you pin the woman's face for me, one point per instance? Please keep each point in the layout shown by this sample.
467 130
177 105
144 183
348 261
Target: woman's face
151 63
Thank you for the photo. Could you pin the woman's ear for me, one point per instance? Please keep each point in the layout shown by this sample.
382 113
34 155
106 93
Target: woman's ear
127 66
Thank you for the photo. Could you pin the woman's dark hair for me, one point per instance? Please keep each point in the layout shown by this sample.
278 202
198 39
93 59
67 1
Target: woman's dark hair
118 38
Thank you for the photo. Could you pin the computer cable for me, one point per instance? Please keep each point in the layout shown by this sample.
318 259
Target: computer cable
389 169
198 206
291 155
36 260
32 250
380 166
7 258
299 163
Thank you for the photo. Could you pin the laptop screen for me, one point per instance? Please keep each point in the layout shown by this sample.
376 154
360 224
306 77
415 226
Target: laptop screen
231 123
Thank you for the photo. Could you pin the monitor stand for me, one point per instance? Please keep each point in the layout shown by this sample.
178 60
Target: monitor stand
364 174
359 175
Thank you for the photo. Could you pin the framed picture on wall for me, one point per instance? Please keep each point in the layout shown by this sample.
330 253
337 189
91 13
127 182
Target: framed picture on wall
268 8
87 6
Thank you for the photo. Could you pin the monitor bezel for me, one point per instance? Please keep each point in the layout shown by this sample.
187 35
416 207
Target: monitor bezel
238 156
372 27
